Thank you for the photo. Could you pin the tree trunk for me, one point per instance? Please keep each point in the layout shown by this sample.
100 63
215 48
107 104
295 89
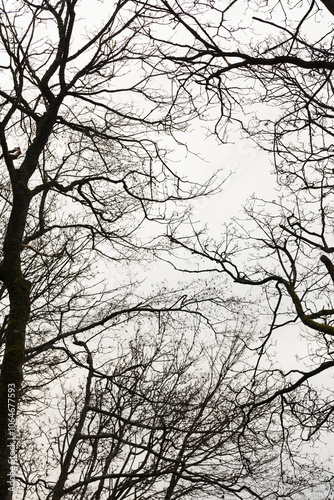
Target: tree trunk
11 370
19 290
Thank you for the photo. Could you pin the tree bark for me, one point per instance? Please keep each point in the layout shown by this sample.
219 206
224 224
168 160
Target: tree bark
11 378
11 371
18 289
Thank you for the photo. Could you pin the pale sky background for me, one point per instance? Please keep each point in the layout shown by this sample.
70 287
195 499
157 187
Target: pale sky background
249 172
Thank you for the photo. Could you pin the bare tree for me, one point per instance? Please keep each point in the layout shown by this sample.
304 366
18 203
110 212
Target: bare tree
267 68
165 415
175 399
82 173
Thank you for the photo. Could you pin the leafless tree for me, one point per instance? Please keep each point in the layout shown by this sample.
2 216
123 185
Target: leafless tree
82 173
127 394
267 68
164 415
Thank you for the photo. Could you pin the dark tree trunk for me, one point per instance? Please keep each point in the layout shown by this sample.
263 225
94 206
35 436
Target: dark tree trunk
11 370
19 291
